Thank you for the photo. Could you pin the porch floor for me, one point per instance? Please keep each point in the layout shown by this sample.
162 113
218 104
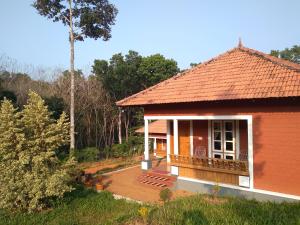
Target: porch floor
125 183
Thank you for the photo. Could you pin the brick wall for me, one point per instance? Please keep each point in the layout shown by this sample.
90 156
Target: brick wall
276 138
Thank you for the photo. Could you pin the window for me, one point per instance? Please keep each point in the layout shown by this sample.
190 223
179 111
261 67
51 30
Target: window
223 140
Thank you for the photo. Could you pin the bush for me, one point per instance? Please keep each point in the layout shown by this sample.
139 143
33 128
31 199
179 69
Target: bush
165 195
120 150
87 154
31 174
136 144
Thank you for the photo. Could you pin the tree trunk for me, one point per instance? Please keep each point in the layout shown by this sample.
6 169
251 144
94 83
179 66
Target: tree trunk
120 126
72 124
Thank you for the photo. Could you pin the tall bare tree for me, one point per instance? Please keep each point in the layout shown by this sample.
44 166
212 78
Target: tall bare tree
85 19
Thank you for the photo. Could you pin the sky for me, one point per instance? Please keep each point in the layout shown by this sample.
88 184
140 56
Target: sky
188 31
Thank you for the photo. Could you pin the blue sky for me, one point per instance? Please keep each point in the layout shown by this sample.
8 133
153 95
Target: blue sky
185 30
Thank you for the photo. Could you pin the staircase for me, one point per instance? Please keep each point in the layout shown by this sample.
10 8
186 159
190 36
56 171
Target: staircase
156 180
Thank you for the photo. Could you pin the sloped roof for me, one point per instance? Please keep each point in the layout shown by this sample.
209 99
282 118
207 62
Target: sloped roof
156 127
240 73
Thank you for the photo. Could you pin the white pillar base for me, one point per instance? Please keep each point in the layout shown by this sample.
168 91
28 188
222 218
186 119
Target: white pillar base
174 170
146 164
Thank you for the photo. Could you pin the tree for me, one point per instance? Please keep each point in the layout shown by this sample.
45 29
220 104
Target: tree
30 170
156 68
292 54
120 78
85 19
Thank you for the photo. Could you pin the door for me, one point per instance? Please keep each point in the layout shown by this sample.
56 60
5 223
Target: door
184 137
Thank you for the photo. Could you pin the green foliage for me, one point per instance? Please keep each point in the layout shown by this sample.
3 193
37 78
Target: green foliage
119 75
8 95
292 54
91 19
56 105
136 144
120 150
31 174
87 154
165 194
156 68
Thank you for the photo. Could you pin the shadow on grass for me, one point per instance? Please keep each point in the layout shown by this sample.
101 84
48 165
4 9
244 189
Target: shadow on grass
194 217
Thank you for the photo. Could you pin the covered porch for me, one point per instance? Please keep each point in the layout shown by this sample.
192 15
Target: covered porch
215 149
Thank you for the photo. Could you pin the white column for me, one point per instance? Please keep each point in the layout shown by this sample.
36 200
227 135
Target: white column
146 130
209 139
250 151
154 144
175 169
168 140
176 151
191 138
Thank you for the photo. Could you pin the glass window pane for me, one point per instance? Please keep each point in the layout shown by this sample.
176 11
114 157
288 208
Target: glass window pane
228 126
217 126
229 136
229 146
217 135
217 156
229 157
217 145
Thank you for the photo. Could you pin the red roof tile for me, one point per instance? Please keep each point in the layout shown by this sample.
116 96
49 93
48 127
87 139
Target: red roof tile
156 127
240 73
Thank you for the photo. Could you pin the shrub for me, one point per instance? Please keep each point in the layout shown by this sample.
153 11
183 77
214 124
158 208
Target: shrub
87 154
165 195
120 150
215 190
136 144
31 173
144 213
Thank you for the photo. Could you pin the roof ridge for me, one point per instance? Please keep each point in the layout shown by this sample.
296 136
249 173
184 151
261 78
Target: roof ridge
273 59
180 74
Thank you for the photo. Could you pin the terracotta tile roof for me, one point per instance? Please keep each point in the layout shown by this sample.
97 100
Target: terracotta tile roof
240 73
156 127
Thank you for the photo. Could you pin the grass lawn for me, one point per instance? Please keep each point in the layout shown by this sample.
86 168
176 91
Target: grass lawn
88 207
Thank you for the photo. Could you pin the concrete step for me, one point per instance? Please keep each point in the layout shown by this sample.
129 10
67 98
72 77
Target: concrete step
156 180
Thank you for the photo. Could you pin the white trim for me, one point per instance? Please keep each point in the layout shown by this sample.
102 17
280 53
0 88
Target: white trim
154 144
163 138
250 151
237 139
168 140
146 130
191 138
278 194
176 151
209 143
223 117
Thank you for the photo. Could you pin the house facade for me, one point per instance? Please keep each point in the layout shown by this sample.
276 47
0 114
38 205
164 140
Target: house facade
157 131
233 121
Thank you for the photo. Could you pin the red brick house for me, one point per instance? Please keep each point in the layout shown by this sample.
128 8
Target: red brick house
233 121
157 131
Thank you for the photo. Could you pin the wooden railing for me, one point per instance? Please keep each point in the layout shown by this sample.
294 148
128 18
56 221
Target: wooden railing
210 164
161 153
